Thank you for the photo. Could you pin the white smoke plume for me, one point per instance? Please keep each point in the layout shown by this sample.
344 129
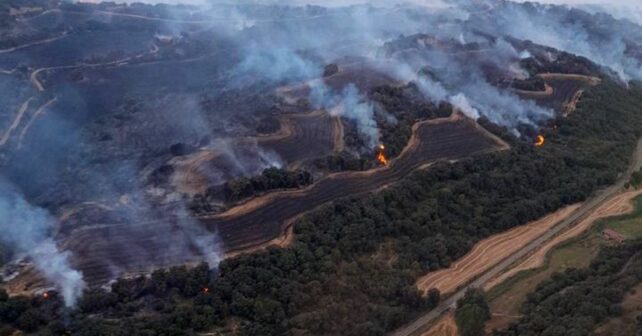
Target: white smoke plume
348 104
26 229
461 102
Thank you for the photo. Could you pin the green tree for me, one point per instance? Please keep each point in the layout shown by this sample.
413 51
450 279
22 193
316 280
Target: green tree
472 313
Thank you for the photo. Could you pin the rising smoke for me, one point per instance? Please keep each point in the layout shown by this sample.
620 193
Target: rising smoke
293 47
26 229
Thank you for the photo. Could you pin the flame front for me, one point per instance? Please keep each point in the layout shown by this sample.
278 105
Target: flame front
539 141
381 155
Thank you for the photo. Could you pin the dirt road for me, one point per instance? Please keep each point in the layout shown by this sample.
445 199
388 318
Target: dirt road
617 205
16 122
51 39
423 322
38 85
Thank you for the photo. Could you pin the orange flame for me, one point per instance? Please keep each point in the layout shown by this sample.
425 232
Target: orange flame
206 290
539 141
45 295
381 155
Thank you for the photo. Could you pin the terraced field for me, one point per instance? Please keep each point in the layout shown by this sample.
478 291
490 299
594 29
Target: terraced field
245 226
312 135
566 91
104 247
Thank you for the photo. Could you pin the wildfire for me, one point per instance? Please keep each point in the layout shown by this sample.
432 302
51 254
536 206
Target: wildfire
539 141
381 155
206 290
45 295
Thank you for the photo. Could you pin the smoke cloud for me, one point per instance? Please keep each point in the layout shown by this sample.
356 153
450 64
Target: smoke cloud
348 104
26 229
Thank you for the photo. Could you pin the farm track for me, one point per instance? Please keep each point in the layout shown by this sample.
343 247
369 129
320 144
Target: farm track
51 39
33 118
16 122
35 81
132 247
618 205
422 323
566 91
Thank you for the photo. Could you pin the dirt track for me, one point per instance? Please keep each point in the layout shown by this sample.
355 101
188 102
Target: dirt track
618 205
489 252
33 118
422 323
444 327
563 91
51 39
16 122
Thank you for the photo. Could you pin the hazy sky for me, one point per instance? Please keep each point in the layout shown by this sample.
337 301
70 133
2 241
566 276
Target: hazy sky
592 2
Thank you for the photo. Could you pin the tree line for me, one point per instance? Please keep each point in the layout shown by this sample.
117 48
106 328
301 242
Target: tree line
352 267
575 301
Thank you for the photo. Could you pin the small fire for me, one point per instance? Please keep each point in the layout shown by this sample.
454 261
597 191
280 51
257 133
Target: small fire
206 290
381 155
45 295
539 141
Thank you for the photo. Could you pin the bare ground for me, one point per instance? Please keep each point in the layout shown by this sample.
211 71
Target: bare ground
489 252
445 326
619 205
588 79
548 90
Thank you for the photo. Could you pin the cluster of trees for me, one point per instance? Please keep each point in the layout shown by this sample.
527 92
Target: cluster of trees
636 179
403 107
576 301
564 63
271 179
352 267
406 105
164 292
472 313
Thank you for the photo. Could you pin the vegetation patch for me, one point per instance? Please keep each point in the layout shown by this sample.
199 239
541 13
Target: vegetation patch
508 296
575 301
321 284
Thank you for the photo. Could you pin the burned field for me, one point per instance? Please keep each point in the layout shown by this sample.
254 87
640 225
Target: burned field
565 91
268 219
100 248
309 136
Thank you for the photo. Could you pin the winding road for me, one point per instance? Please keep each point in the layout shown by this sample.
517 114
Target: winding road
422 324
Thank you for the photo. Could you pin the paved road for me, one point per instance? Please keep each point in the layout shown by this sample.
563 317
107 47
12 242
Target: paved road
422 323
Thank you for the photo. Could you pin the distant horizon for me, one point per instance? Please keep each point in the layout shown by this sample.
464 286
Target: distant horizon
330 3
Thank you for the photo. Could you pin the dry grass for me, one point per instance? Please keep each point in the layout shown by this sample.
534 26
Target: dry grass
445 326
561 253
489 252
619 205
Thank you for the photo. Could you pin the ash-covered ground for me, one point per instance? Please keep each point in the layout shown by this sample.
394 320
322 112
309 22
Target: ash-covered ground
130 131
